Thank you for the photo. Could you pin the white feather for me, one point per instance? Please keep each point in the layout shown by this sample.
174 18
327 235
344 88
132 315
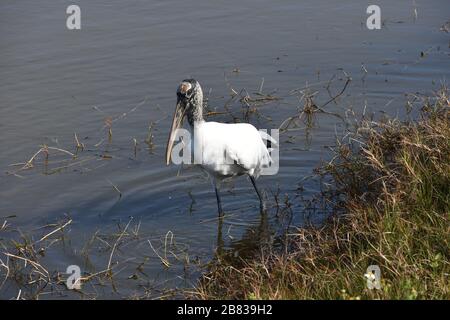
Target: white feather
231 149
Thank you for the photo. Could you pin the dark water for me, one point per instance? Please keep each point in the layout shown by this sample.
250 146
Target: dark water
125 63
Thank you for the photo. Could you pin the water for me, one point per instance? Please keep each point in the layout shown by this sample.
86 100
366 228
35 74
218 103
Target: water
128 58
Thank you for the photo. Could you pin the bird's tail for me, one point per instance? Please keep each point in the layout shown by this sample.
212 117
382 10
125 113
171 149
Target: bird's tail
267 137
269 143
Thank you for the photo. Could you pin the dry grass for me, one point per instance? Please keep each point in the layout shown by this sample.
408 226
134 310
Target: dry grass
391 202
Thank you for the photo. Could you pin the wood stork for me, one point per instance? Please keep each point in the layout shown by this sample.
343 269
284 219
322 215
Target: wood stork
219 143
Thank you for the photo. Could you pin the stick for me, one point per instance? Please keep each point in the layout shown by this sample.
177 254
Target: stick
115 244
56 230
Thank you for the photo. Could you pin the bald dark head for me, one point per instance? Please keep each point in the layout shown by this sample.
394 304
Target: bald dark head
187 88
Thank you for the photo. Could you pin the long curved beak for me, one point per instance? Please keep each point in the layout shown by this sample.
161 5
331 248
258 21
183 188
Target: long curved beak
177 122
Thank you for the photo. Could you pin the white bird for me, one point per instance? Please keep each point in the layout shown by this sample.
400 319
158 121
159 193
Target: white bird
223 150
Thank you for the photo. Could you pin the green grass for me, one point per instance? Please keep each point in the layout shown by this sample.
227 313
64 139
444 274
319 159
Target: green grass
391 195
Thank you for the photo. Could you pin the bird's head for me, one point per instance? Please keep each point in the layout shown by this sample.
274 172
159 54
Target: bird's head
190 105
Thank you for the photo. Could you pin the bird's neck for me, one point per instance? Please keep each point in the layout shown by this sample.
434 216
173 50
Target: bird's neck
196 114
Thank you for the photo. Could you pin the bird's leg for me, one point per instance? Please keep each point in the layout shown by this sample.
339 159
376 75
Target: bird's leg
262 205
220 242
219 202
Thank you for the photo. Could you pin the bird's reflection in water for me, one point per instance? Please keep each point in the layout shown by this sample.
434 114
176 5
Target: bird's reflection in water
256 238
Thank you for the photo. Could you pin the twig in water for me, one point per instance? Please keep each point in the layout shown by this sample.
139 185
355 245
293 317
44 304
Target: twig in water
261 86
163 260
116 243
115 188
54 231
310 108
349 79
78 144
44 149
135 143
